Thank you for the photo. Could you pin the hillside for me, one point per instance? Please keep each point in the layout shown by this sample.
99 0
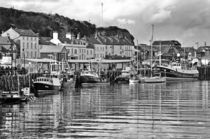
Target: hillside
45 24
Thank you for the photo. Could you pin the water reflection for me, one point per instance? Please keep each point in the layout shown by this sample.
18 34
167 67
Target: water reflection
175 110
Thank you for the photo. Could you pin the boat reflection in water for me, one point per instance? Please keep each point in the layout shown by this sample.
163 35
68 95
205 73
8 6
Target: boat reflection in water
175 110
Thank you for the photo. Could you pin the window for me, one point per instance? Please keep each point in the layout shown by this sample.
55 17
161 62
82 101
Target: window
27 54
35 54
27 45
75 51
35 45
31 45
31 54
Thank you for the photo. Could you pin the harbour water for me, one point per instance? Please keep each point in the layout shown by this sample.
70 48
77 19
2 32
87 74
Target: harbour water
138 111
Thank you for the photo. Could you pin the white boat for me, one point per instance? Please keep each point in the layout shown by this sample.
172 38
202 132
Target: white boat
154 79
124 77
46 83
134 79
88 76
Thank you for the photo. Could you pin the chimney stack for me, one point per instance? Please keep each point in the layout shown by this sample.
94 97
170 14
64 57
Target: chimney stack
55 35
68 35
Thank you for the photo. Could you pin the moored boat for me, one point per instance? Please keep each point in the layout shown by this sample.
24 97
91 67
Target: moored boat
124 77
175 72
44 84
154 79
88 76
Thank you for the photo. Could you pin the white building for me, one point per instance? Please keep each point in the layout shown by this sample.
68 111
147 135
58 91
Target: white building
28 41
113 46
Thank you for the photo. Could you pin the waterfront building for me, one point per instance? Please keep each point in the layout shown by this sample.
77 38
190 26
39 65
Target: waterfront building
52 51
7 46
189 53
170 49
110 46
28 41
58 53
77 48
203 51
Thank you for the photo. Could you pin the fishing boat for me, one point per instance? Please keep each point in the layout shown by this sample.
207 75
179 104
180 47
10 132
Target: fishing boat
175 71
46 84
88 76
124 77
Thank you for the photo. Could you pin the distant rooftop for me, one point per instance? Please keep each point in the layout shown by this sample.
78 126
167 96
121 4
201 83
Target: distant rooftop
26 32
51 49
166 42
4 41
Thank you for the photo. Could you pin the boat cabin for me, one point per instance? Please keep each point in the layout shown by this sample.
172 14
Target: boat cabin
43 79
175 65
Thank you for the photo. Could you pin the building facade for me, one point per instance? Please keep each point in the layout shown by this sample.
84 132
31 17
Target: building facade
28 41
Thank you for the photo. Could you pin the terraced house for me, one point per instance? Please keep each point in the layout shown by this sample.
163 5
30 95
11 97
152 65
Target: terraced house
27 39
113 46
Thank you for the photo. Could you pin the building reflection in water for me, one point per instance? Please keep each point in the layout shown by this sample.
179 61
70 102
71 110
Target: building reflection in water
171 110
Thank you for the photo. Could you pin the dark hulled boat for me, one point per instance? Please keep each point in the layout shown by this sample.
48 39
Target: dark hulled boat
44 85
87 76
176 72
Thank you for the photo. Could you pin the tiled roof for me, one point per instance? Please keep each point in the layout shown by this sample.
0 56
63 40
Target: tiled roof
26 32
51 49
167 42
4 40
92 40
113 40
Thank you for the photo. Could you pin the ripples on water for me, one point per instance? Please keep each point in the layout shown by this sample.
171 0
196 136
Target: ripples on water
141 111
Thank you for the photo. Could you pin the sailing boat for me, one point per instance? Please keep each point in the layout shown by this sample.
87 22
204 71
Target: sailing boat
153 79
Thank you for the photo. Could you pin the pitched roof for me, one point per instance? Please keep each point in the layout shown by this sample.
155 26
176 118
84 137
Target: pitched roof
92 40
26 32
51 49
113 40
5 41
166 42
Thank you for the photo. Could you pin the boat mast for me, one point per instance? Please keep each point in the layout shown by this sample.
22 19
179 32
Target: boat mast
160 54
151 41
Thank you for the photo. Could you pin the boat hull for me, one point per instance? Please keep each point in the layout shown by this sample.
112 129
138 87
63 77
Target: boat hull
153 80
45 89
121 79
132 81
89 79
167 72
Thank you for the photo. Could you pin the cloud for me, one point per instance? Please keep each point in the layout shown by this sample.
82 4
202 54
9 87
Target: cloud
125 21
186 20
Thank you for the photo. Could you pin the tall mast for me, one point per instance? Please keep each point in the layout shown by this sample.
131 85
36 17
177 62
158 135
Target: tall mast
151 42
160 54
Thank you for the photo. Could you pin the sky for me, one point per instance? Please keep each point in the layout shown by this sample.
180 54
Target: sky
187 21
